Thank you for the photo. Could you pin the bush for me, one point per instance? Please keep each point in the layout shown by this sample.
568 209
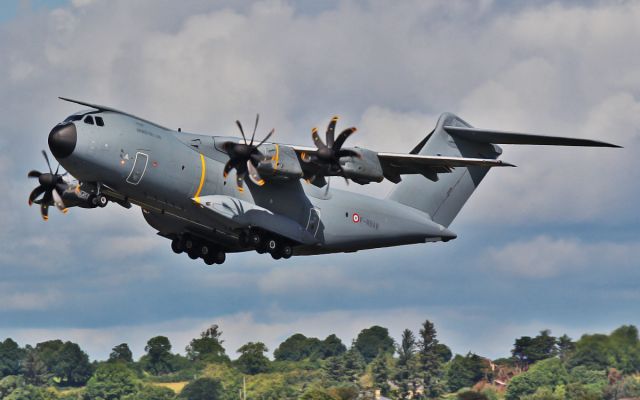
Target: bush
202 389
472 395
546 373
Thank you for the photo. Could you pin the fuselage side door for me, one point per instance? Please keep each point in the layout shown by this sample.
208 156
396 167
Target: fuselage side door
313 222
139 168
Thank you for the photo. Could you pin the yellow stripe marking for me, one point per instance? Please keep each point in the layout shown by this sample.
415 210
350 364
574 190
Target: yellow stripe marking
203 174
276 157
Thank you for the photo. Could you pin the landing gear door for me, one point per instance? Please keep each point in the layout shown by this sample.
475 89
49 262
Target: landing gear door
314 221
139 167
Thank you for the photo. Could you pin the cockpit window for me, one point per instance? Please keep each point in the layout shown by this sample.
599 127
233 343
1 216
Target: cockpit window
88 120
74 117
99 121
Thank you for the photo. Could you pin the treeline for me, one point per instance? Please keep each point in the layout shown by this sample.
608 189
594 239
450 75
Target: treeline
541 367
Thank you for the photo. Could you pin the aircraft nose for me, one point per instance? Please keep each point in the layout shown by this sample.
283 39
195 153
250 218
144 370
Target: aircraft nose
62 139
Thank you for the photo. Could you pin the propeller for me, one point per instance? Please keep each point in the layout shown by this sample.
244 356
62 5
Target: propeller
245 157
48 188
328 155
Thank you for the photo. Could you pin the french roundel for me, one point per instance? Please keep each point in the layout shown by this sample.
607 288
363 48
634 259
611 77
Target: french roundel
355 218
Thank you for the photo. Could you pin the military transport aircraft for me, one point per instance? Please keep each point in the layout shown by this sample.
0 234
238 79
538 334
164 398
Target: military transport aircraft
193 189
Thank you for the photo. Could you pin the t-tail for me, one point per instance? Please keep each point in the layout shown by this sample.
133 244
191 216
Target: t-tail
443 196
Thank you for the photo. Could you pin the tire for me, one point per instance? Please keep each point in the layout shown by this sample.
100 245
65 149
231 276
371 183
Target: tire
219 257
286 251
272 245
176 246
102 201
204 250
189 244
255 239
276 255
193 254
209 260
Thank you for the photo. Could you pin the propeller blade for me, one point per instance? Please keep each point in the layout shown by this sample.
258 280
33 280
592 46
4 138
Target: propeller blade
331 129
240 180
266 137
44 211
44 153
227 168
253 135
326 190
304 156
57 200
57 168
35 193
34 174
342 137
253 174
241 131
316 139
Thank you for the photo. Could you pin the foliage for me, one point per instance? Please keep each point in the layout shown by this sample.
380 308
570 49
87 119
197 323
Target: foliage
30 392
546 393
10 383
372 341
317 394
405 367
565 347
150 392
34 369
334 369
252 359
296 348
111 381
429 361
71 365
208 347
158 359
380 371
549 373
203 389
471 395
623 387
121 353
11 355
464 371
354 365
527 350
620 350
344 392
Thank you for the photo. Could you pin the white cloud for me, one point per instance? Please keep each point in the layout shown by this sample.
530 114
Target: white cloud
546 257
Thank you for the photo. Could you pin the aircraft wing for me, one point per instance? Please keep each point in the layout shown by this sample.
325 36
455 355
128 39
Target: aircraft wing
394 165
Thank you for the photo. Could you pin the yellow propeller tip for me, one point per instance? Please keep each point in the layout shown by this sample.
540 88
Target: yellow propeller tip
335 118
261 182
314 130
45 218
240 189
66 210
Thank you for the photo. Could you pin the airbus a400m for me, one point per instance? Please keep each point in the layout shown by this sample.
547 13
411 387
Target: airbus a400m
214 195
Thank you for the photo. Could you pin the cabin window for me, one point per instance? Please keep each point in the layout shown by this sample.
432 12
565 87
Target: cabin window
88 120
99 121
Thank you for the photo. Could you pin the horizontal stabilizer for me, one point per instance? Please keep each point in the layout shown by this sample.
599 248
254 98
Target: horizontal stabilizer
500 137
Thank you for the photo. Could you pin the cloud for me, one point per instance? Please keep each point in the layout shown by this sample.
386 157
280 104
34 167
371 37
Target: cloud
546 257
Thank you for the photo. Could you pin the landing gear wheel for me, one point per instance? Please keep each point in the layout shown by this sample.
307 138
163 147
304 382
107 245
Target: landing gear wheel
102 201
193 254
209 260
254 239
219 257
204 250
286 251
189 244
176 246
276 255
272 245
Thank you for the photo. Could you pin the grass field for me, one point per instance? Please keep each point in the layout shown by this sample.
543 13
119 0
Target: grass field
175 386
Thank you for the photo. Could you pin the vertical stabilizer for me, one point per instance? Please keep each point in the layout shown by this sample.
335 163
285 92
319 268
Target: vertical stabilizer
443 198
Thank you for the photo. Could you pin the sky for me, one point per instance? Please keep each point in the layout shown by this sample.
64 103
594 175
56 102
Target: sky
553 244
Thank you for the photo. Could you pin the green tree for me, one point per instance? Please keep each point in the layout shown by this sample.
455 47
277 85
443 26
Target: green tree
565 347
429 361
354 365
334 369
296 348
34 369
380 372
546 373
203 389
30 392
252 359
444 353
465 371
72 365
592 352
405 375
158 359
11 356
111 381
150 392
121 353
331 346
529 350
372 341
208 347
10 383
316 394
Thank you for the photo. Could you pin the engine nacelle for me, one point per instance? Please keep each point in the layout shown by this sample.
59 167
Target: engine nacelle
364 168
281 162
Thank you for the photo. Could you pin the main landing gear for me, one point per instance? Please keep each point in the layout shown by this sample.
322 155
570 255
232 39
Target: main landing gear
263 242
197 248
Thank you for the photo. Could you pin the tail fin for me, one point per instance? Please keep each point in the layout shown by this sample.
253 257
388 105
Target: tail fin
444 198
